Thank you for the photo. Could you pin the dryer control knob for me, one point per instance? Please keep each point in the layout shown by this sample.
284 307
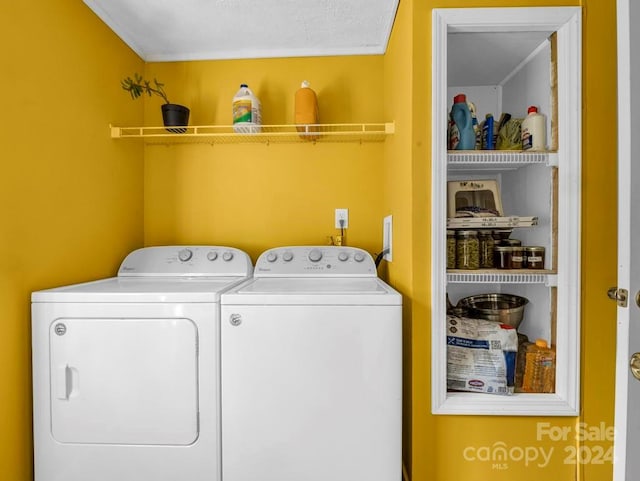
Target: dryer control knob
184 255
212 255
315 255
358 256
287 256
343 256
227 256
272 256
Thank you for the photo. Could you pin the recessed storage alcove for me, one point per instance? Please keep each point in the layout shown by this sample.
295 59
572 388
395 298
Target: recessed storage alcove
504 60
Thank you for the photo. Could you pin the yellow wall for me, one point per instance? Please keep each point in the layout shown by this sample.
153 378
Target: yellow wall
257 196
404 184
70 198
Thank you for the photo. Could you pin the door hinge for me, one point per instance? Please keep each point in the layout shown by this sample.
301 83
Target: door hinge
618 295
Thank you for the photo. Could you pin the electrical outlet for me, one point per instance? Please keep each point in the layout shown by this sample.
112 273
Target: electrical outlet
387 237
342 218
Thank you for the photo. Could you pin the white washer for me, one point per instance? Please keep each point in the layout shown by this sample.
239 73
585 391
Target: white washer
312 370
126 369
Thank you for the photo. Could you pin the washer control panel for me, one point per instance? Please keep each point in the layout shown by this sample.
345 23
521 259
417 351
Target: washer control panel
315 261
187 261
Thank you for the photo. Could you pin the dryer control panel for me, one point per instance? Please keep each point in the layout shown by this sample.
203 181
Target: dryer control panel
186 261
315 261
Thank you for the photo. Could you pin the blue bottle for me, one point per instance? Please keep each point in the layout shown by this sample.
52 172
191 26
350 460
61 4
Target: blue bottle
462 136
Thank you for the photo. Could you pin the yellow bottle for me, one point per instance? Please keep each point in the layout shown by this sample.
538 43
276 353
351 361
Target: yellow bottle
306 111
540 368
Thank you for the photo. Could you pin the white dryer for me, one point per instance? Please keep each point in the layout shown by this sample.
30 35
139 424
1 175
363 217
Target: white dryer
126 369
312 370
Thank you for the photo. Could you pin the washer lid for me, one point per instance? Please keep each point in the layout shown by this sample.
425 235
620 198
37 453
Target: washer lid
322 285
141 289
312 291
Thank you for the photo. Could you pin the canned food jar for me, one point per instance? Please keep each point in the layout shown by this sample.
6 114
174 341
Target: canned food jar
502 257
512 242
487 245
517 257
451 249
467 250
534 257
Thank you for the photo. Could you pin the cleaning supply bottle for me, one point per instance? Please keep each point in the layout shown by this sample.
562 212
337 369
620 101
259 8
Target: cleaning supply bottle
488 136
247 111
540 368
534 130
475 124
461 135
306 111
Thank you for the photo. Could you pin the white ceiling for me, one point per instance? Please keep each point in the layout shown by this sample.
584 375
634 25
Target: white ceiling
487 58
171 30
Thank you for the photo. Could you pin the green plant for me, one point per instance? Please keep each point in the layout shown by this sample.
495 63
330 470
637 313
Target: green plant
137 86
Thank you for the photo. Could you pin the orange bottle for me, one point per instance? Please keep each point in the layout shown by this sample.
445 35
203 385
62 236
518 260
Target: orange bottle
306 111
540 368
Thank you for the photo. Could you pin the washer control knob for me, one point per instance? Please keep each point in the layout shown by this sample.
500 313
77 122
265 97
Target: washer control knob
358 257
184 255
272 256
212 255
315 255
343 256
287 256
227 256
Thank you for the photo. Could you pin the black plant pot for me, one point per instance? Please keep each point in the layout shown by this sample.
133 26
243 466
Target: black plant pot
175 115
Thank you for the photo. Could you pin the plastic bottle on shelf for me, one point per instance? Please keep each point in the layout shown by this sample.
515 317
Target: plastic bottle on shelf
306 111
475 124
247 111
540 368
488 134
461 133
534 130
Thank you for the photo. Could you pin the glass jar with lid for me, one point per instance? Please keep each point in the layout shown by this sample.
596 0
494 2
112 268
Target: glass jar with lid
467 250
451 249
486 243
502 257
517 257
534 257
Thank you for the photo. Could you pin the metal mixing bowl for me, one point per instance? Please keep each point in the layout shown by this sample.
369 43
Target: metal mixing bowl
503 308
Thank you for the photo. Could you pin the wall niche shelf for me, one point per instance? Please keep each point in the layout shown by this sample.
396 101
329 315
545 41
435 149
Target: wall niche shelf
224 134
491 222
498 159
488 276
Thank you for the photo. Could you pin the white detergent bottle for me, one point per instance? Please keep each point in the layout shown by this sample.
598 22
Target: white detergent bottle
534 130
247 111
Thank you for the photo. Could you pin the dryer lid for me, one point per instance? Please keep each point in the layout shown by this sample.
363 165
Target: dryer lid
141 289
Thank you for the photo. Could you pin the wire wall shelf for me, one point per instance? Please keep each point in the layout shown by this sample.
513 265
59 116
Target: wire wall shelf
265 134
